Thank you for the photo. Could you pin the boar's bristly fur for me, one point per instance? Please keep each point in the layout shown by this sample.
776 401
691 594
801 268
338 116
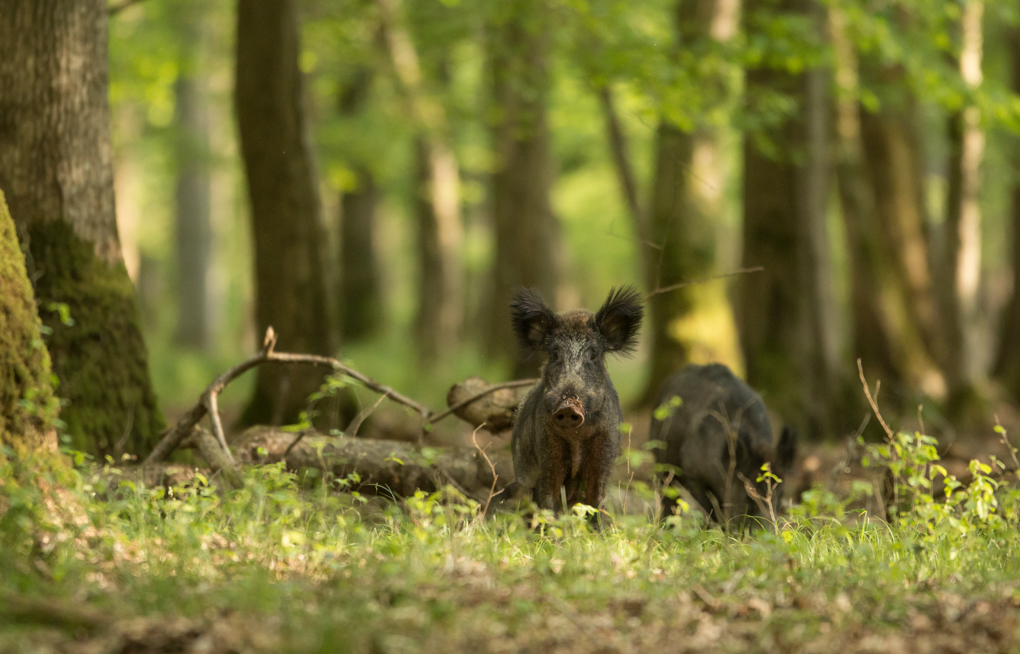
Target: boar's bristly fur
717 436
567 431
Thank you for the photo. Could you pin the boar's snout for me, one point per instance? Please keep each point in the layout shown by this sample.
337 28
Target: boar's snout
569 413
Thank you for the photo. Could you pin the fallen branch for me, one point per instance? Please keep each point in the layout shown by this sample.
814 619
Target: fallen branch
207 404
381 467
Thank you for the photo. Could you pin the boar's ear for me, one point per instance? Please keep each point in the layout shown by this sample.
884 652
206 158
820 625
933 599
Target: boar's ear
620 318
532 319
786 451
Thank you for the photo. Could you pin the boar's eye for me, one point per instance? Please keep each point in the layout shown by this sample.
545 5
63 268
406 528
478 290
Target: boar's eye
554 356
593 355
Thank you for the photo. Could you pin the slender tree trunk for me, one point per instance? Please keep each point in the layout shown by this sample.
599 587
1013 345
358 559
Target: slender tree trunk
526 233
440 282
786 310
23 356
361 300
290 270
193 193
875 338
681 240
440 231
1007 367
963 223
620 152
56 168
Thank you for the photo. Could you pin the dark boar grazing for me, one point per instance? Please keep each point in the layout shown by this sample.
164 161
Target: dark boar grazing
567 430
718 435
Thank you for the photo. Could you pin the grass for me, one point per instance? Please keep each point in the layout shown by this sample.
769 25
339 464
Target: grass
281 565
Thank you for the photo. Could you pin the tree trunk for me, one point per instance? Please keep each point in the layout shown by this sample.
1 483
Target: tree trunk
441 288
1007 367
785 311
361 300
963 226
686 201
893 159
440 283
875 338
526 232
28 408
193 193
290 270
56 167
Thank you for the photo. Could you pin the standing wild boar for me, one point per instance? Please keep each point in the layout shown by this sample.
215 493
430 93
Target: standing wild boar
717 435
567 430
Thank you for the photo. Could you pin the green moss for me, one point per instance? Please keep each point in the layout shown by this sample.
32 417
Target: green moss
27 405
98 355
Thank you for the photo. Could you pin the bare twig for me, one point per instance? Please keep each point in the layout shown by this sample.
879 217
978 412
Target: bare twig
673 287
113 10
519 383
207 404
871 400
492 467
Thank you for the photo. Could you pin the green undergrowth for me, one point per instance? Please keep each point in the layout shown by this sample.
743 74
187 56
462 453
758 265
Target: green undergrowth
284 564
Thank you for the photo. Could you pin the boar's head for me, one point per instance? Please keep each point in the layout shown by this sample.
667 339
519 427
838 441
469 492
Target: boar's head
576 385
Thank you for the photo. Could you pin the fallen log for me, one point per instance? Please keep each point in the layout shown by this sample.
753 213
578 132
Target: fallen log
479 403
382 467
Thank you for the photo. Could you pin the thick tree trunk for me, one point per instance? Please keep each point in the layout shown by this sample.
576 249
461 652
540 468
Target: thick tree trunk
361 300
1007 367
28 408
290 270
526 232
56 168
963 225
193 195
786 310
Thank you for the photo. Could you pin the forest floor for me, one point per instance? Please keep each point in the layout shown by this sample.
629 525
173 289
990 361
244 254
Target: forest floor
290 565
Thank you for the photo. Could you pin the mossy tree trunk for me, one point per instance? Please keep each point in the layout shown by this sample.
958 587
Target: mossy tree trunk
290 265
685 205
56 168
28 408
526 233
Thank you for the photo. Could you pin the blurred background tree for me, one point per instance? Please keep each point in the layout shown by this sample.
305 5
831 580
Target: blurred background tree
395 168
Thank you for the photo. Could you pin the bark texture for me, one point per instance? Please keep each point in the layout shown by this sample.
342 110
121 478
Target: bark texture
28 407
56 168
361 301
193 191
526 232
290 269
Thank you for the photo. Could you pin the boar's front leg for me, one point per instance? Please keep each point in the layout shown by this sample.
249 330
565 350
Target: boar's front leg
596 470
554 473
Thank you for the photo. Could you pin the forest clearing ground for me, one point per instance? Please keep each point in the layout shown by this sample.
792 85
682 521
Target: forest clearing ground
283 565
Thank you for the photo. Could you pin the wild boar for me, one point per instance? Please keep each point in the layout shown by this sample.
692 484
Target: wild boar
717 435
567 430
